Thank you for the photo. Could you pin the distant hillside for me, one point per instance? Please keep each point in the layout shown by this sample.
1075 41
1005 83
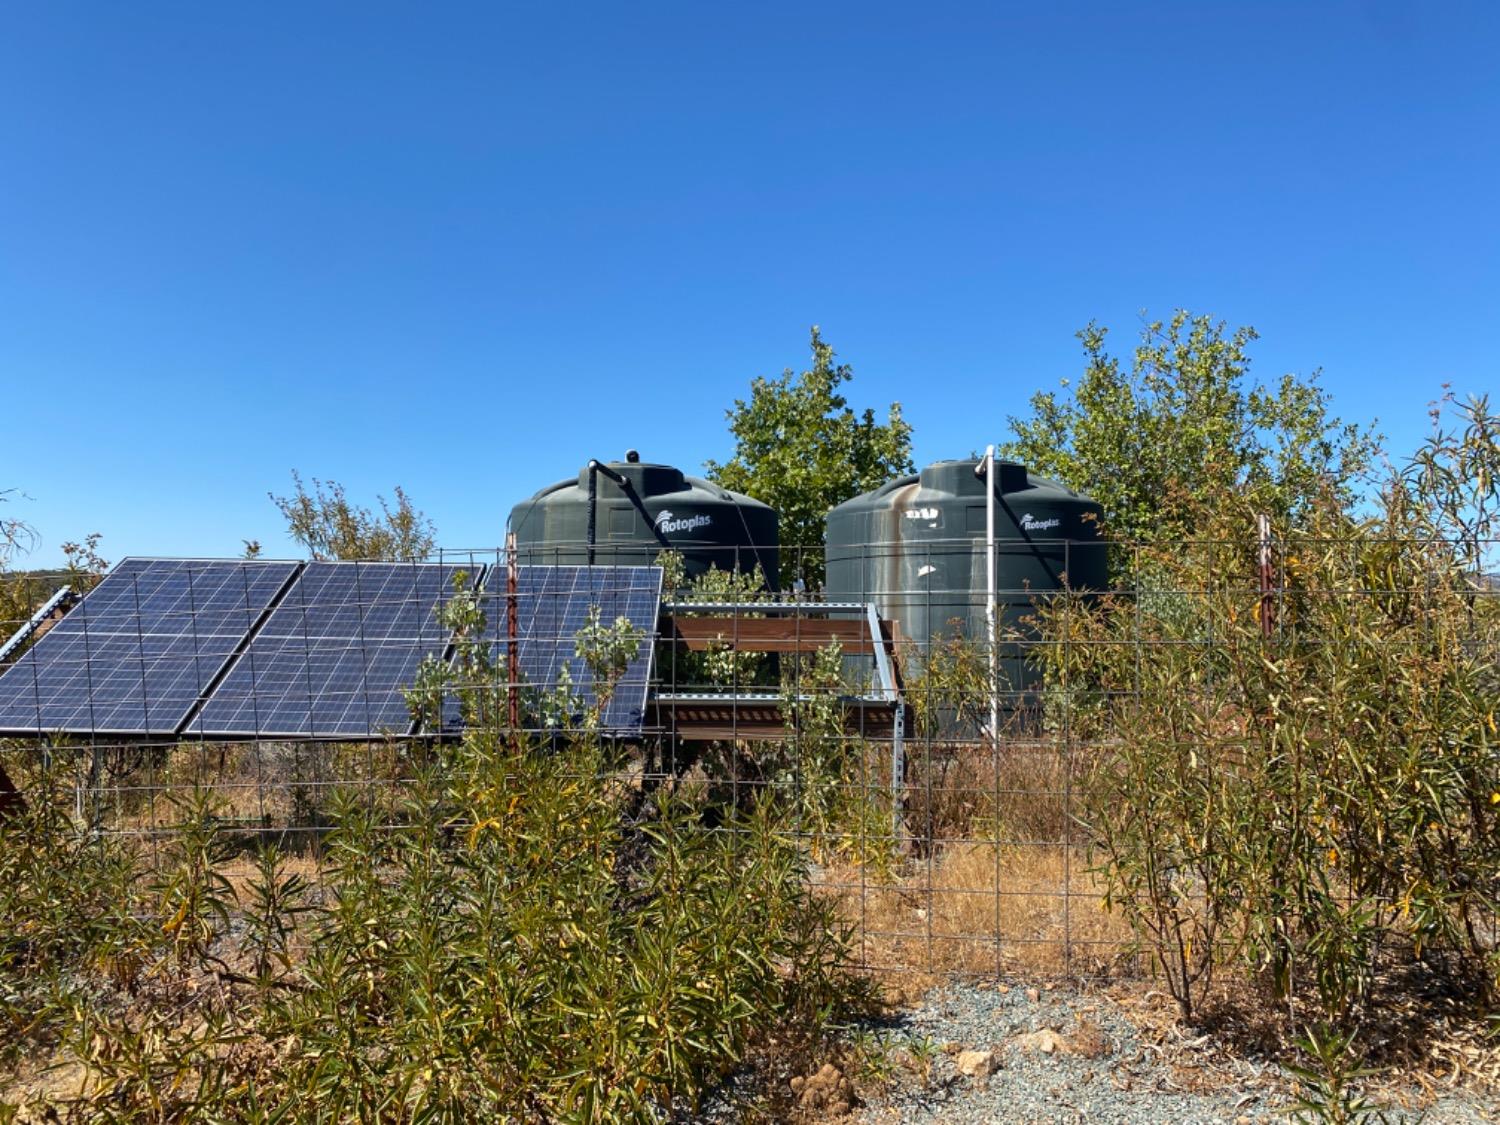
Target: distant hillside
23 591
39 584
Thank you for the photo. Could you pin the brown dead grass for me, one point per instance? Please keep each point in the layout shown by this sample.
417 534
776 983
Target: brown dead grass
1017 910
996 878
1024 790
993 881
280 788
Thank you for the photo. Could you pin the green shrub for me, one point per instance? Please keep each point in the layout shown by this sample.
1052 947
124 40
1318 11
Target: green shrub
1305 802
508 945
73 907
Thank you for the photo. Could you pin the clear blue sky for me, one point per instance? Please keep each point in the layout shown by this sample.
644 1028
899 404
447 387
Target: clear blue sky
465 247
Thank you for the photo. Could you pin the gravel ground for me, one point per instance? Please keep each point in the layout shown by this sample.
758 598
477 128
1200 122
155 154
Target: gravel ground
1101 1068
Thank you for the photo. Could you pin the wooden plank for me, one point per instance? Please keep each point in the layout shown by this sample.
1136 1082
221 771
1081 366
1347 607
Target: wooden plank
722 732
754 722
767 634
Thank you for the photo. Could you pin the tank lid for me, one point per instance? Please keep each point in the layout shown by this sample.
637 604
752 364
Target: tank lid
1011 476
954 478
966 478
645 479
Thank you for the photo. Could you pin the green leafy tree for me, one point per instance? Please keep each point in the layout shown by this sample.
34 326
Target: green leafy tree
801 448
331 527
1186 425
85 566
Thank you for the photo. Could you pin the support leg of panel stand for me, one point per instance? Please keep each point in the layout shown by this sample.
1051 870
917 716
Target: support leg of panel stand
898 776
890 688
11 801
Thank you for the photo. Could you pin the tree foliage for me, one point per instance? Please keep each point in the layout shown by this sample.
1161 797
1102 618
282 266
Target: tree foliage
801 448
1185 426
22 592
331 527
16 535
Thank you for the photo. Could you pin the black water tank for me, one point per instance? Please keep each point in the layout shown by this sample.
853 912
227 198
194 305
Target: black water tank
657 507
916 547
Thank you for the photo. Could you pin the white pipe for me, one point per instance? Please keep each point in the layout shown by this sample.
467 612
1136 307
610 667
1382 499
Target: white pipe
989 586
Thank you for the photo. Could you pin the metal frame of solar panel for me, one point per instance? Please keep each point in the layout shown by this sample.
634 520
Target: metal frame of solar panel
333 658
136 655
552 606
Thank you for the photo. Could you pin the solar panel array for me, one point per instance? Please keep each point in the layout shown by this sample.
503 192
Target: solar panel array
335 655
553 604
230 649
135 656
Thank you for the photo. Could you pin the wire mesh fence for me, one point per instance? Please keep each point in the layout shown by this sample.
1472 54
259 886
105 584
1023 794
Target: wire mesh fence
950 765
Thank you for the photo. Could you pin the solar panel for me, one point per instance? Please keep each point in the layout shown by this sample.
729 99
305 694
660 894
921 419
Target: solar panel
333 659
321 650
135 655
553 604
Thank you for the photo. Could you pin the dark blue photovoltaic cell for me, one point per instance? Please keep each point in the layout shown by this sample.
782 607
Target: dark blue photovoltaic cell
553 603
135 655
334 657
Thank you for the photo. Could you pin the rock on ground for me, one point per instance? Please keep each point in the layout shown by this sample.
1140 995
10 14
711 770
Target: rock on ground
976 1064
1069 1056
826 1092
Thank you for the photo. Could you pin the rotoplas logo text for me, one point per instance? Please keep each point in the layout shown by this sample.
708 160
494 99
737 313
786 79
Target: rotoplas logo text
666 524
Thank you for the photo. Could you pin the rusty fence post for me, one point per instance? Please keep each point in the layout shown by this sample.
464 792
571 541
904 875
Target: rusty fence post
1267 583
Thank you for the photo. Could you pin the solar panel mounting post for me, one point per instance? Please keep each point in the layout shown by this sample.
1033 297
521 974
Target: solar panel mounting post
885 672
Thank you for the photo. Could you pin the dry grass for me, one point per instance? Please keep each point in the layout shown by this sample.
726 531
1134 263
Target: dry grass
283 788
994 881
1015 910
1019 790
996 878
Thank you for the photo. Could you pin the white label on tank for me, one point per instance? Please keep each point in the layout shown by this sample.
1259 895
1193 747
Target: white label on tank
921 513
669 524
926 570
1031 523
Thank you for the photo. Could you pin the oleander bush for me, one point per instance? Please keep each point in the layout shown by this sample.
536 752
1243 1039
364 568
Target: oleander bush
1308 802
504 943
